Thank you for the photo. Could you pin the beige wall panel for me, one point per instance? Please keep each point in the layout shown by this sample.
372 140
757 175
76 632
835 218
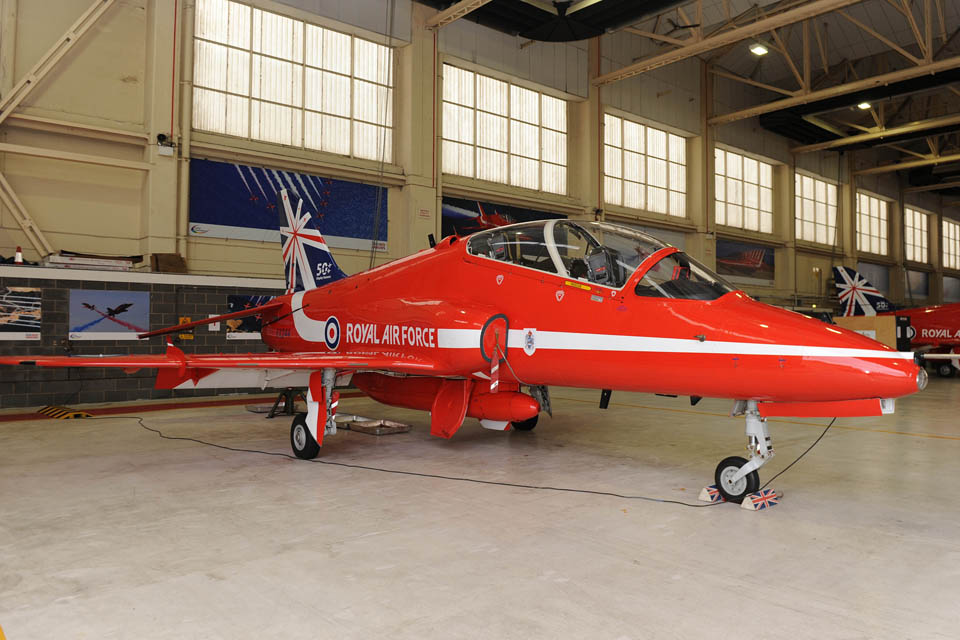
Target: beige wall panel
807 283
102 77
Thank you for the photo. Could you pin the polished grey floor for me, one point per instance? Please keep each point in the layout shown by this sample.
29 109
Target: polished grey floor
108 531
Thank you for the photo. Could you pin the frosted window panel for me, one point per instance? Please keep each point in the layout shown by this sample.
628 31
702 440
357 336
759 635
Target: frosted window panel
808 210
633 195
212 18
554 147
678 203
314 46
633 164
458 85
766 199
751 197
276 81
656 172
491 165
491 131
809 233
821 234
238 116
678 177
734 166
333 90
611 161
278 36
831 194
492 95
766 175
554 113
678 149
720 188
210 63
238 72
656 143
656 200
335 134
751 171
734 215
766 223
554 178
524 172
751 219
524 139
371 61
272 123
372 103
336 52
734 191
633 134
719 161
209 110
457 123
821 213
808 187
372 142
457 158
720 212
798 228
612 130
612 190
524 104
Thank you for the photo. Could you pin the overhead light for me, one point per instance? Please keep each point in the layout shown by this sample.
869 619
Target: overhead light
758 49
863 106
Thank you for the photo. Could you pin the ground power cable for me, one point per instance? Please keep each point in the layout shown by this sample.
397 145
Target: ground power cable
515 485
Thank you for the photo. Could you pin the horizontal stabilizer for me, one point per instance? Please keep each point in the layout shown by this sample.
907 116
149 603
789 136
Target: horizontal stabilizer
253 311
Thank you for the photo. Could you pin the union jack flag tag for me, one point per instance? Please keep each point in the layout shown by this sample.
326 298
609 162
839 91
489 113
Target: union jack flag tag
760 500
711 494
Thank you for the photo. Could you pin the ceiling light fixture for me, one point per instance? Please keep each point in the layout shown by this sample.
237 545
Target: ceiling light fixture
758 49
863 106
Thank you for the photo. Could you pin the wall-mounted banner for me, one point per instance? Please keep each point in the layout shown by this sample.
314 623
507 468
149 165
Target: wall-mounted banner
739 260
238 201
108 315
244 328
463 217
19 313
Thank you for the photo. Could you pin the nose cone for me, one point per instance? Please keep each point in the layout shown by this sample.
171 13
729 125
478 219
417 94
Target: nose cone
833 363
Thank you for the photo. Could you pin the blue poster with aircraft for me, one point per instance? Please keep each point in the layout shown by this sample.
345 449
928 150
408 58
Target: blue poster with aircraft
238 201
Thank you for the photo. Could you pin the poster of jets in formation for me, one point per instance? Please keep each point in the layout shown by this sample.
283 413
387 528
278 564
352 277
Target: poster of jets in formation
108 315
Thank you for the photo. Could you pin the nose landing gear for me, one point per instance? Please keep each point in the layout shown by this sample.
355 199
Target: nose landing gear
736 477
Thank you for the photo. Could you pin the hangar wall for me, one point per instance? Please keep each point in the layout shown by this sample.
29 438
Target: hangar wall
123 84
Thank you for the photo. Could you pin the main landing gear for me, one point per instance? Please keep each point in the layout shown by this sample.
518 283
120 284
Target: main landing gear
302 441
736 477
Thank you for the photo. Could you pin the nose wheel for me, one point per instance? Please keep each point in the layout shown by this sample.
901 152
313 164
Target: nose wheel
735 489
735 477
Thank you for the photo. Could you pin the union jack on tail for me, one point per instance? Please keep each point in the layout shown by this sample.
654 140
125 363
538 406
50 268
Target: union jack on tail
857 296
307 260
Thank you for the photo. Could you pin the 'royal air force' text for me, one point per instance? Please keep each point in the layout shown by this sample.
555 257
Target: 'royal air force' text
392 334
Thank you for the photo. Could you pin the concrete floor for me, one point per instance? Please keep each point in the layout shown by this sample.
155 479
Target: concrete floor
107 531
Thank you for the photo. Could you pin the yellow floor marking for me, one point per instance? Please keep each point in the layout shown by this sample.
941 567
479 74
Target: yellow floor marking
936 436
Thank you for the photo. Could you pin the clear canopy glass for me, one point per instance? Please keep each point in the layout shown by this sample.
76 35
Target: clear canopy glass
599 253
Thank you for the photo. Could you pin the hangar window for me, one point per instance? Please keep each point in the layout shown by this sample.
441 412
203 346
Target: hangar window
498 131
951 244
263 76
743 191
915 234
871 224
815 203
644 167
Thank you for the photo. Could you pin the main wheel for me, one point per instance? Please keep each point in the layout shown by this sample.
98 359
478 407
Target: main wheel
735 491
526 425
301 441
945 370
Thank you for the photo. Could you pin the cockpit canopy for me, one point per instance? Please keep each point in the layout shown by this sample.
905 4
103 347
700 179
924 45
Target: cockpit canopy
599 253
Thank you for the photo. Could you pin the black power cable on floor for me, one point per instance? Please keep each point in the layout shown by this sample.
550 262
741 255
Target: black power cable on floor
515 485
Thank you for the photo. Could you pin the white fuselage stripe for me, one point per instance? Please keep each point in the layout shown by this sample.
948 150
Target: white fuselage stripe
563 340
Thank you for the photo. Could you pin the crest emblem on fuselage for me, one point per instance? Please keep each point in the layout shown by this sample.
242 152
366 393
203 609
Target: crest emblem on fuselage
529 341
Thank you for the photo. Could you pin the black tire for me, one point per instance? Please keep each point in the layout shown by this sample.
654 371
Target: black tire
526 425
945 370
735 493
301 441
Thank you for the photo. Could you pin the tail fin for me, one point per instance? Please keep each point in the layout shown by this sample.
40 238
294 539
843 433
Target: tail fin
307 260
857 296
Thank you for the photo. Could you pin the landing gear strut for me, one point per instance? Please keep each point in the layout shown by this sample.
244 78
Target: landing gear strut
736 477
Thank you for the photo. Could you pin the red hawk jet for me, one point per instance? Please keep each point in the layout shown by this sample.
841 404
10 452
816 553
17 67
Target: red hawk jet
483 326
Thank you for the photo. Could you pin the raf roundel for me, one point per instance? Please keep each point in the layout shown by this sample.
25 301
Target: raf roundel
331 333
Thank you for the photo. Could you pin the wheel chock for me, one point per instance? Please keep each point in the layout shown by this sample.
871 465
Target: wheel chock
710 494
760 500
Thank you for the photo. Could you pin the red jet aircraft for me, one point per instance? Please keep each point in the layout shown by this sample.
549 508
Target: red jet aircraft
934 330
482 326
